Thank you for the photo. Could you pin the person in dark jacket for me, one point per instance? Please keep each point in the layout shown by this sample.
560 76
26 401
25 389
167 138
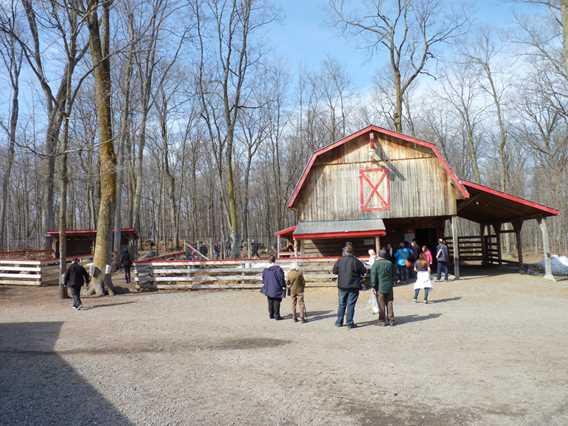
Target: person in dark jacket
126 263
273 287
349 271
75 277
442 257
382 281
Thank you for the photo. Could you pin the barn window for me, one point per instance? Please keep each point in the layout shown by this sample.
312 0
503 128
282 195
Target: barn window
374 189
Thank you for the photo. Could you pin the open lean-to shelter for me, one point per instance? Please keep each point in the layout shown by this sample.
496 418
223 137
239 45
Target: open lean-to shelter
377 186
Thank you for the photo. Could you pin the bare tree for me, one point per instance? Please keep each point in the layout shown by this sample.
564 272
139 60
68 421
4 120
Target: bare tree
408 30
12 58
99 46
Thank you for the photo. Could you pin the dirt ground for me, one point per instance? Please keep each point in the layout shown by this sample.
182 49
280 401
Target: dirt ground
488 350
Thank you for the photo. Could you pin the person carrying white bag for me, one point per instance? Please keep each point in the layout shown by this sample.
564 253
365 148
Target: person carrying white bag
373 302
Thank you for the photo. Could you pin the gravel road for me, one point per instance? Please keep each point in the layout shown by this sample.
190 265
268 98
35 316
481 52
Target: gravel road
490 350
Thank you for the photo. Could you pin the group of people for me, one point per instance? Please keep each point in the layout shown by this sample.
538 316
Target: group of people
276 285
406 256
410 261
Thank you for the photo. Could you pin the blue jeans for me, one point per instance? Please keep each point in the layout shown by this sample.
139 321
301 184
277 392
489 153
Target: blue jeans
417 292
442 267
347 300
402 272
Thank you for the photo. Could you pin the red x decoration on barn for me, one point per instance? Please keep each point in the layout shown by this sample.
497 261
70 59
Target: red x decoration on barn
374 189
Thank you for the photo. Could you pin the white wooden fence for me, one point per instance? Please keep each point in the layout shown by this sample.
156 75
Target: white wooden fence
26 272
229 274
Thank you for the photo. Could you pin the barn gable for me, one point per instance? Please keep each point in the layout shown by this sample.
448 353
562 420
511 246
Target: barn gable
375 173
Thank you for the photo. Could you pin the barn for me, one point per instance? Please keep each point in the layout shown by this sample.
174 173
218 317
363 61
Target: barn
378 187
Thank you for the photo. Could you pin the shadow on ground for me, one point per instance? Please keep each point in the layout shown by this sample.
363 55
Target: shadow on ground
37 386
105 305
401 320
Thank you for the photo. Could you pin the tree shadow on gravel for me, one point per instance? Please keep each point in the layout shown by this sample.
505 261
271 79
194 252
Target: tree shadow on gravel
447 299
37 386
105 305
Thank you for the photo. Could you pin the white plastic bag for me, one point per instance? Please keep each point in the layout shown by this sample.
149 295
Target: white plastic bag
373 304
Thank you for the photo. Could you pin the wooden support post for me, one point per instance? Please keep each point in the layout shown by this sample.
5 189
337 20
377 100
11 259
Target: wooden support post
277 246
295 248
484 260
497 229
456 247
248 248
377 244
546 248
517 226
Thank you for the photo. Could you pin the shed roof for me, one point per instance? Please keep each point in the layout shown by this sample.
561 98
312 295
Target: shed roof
487 205
339 229
90 232
372 128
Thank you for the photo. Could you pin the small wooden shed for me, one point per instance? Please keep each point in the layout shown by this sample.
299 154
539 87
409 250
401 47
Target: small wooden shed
377 186
81 242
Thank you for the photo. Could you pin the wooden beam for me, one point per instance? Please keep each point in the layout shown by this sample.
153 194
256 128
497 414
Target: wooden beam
465 204
456 247
517 226
377 244
497 228
277 246
546 248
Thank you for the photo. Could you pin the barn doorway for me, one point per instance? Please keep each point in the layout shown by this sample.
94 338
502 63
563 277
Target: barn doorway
427 237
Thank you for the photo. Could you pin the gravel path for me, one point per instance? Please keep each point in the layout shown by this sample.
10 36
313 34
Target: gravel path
487 351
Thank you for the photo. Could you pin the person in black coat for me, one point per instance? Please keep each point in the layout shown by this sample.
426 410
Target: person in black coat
273 287
75 277
349 271
126 263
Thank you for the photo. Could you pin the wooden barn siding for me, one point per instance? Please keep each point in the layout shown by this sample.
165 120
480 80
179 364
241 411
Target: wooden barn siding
419 186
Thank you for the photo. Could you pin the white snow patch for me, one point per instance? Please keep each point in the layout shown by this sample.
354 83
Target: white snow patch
559 265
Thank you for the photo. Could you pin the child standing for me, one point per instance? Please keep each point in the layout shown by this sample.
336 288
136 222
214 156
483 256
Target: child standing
423 280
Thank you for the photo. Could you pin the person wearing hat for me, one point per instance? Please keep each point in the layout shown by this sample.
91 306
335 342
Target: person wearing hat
296 284
75 277
382 280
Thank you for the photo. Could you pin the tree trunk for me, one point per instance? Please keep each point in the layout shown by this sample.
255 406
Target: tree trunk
397 117
100 55
564 12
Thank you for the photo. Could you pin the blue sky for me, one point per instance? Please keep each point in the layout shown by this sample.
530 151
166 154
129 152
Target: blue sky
304 37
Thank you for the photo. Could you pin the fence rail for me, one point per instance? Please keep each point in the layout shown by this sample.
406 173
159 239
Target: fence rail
224 274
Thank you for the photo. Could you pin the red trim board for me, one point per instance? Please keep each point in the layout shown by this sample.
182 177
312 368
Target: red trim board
373 128
285 231
324 235
513 198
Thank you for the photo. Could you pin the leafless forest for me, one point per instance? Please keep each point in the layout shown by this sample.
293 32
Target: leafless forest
179 118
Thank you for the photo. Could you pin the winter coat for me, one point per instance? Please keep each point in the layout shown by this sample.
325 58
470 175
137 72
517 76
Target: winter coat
428 256
401 256
382 276
296 282
442 254
126 260
349 271
273 282
76 276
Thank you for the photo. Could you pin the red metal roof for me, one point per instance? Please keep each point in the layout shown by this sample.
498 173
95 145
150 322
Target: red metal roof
373 128
90 232
285 231
353 234
517 206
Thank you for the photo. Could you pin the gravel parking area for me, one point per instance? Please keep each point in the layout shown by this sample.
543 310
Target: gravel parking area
491 350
